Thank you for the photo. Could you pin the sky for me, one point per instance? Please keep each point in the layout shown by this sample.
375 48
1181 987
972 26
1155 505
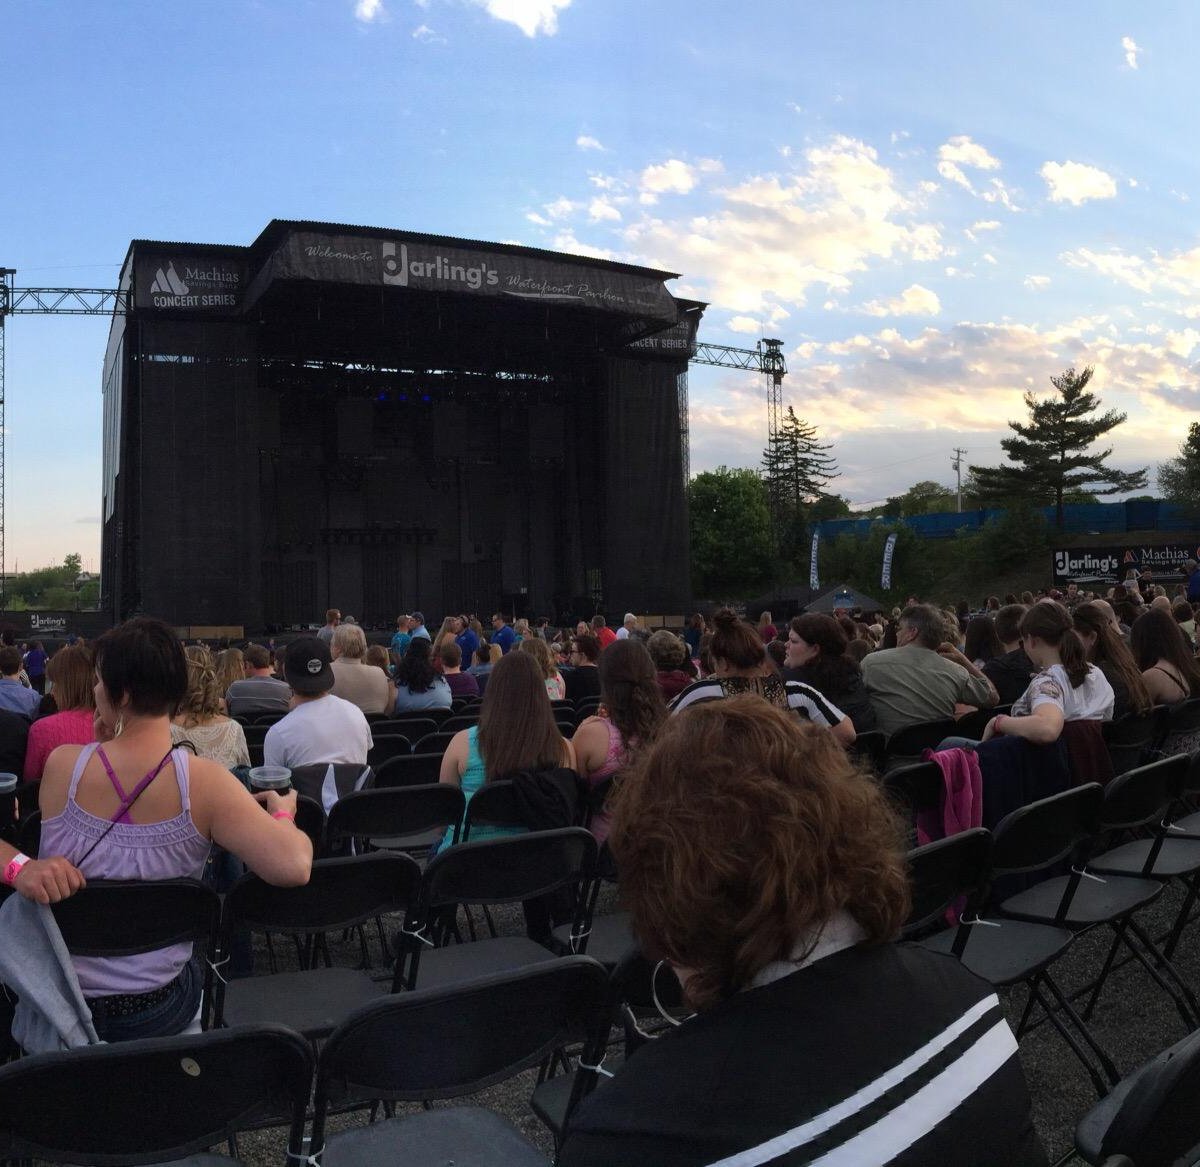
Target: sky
937 206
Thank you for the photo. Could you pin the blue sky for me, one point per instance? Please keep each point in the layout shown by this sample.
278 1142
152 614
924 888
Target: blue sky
936 205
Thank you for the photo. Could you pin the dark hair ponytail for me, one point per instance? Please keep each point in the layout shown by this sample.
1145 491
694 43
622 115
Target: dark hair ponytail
1051 622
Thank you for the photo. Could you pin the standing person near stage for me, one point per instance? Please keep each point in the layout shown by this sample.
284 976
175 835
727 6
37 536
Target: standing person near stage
401 638
417 629
467 640
627 626
35 666
332 619
502 635
602 632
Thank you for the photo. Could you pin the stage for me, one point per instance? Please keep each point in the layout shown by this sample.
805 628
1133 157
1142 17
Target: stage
380 421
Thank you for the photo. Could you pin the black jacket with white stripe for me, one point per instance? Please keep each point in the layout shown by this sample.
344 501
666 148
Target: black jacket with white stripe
873 1055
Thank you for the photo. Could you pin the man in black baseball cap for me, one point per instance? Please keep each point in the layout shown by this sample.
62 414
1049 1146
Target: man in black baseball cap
307 666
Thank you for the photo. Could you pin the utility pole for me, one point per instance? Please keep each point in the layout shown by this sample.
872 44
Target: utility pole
956 466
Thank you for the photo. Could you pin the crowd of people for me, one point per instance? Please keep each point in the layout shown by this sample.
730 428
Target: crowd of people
757 856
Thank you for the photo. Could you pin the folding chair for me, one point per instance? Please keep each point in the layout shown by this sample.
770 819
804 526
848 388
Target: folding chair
398 818
607 938
256 733
1001 951
870 748
562 705
566 724
1151 1116
459 721
414 770
155 1100
1136 800
448 1042
340 894
1131 738
906 745
973 724
325 782
126 917
267 718
385 746
433 743
1180 721
413 728
491 871
917 788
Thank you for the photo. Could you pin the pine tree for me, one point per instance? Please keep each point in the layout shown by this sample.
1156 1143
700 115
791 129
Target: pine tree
1179 478
1050 455
796 469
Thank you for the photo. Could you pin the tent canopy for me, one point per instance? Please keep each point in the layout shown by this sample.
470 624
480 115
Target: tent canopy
845 597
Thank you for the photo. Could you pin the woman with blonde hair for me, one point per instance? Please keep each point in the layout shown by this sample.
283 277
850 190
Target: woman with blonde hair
202 725
556 686
230 667
377 656
70 672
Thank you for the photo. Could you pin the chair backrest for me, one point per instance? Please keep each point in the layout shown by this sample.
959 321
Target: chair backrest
973 724
871 747
125 917
339 894
326 782
398 810
414 770
310 818
433 743
268 718
495 804
460 721
562 703
503 871
391 745
1048 831
1134 729
154 1100
945 871
374 718
1183 718
1142 797
910 741
413 1047
256 734
413 728
918 786
1157 1120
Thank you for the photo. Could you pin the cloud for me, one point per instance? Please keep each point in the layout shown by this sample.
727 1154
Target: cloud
1037 283
530 16
672 177
1076 183
913 301
1131 51
962 149
426 35
986 225
89 519
369 11
600 210
748 324
587 142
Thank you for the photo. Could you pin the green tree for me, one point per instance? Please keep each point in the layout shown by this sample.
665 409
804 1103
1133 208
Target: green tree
927 498
1179 478
730 525
1050 455
829 506
796 469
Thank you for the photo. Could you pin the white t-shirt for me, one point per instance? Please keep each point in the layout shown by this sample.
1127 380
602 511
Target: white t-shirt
1092 701
326 730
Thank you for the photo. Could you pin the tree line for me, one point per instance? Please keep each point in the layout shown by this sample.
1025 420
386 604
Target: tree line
750 529
52 588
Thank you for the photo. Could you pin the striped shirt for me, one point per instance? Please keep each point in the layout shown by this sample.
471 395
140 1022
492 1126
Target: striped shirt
796 695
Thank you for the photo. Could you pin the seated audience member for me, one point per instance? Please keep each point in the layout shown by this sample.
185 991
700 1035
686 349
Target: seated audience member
418 685
461 684
70 672
14 695
740 666
482 666
584 678
230 666
1012 670
556 687
924 677
14 741
467 639
1098 629
353 679
201 725
1160 651
817 656
669 654
981 643
320 727
377 658
784 947
601 631
1186 619
693 634
131 806
631 711
628 626
259 691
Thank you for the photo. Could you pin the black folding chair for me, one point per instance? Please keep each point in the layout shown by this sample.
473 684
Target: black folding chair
325 782
607 938
484 873
1130 739
1135 801
870 748
957 871
268 718
1151 1117
1179 722
464 720
414 770
433 743
256 733
448 1042
413 728
385 746
914 789
340 894
908 744
126 917
973 724
398 818
155 1100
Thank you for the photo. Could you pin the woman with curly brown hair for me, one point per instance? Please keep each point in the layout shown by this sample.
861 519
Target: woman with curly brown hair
631 710
200 722
769 873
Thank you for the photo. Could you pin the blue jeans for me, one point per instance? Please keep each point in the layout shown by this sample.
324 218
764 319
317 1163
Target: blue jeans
957 743
165 1019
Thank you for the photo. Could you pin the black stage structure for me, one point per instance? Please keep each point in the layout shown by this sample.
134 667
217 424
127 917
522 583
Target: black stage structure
383 421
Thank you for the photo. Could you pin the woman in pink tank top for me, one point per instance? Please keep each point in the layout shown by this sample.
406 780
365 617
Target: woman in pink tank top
630 713
129 806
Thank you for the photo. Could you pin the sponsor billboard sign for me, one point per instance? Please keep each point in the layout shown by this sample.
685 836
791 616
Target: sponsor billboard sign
1110 564
188 282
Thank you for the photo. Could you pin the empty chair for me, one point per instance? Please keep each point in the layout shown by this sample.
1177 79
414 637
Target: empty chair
413 770
155 1100
907 745
461 721
268 718
397 818
413 728
433 743
256 733
341 893
607 938
385 746
413 1047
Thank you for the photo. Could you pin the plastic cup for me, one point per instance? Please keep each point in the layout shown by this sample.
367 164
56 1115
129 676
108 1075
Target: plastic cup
8 802
277 778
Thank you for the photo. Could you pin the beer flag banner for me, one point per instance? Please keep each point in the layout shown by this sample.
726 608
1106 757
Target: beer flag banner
814 580
889 549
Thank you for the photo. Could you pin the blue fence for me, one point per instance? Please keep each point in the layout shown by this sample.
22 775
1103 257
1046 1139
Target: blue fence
1078 519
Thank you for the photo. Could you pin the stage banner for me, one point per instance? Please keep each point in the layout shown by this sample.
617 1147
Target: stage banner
814 579
1107 565
428 263
677 343
889 549
204 282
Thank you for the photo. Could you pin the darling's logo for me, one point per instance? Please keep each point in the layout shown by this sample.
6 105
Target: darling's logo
398 269
50 622
168 283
